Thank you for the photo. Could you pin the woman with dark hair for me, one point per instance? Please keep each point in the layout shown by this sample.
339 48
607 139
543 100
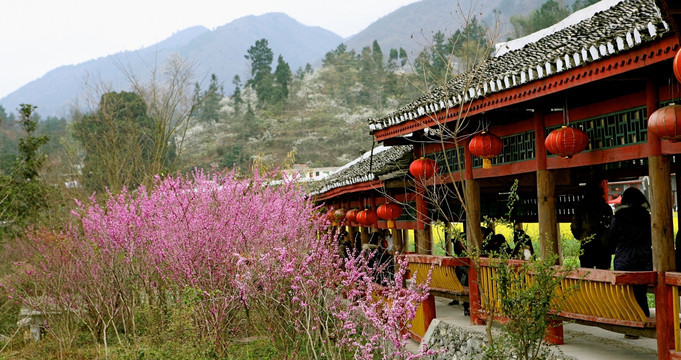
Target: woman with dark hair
631 238
590 226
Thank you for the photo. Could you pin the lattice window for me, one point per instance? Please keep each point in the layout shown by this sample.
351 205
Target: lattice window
451 160
607 131
408 211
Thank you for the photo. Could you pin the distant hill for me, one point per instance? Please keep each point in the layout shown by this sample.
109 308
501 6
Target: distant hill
220 51
412 26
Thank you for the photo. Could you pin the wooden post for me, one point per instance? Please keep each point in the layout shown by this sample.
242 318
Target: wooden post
662 231
398 243
449 246
677 178
428 311
364 234
472 202
474 296
421 238
546 193
473 233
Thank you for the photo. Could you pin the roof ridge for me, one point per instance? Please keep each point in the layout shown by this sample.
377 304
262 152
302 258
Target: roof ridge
623 26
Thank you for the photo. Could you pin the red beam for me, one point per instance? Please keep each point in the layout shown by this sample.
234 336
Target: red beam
437 260
673 278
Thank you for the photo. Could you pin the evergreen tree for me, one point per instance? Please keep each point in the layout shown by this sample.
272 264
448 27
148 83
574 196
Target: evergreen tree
209 109
22 192
581 4
282 79
261 56
551 12
236 95
118 140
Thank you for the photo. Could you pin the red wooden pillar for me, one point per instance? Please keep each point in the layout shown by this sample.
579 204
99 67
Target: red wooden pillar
546 193
422 243
546 212
473 232
428 311
662 229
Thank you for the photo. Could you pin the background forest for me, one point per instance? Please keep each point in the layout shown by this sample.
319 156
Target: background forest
166 124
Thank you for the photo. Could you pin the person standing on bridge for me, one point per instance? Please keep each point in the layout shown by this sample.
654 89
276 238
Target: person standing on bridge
631 238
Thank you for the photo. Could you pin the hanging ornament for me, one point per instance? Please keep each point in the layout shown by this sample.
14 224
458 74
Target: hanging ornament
339 215
486 146
367 217
389 212
677 65
423 168
664 122
351 215
566 141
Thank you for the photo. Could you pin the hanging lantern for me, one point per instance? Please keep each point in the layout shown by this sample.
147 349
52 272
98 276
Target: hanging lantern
677 65
664 122
351 215
367 217
423 168
566 141
389 212
339 215
486 146
330 216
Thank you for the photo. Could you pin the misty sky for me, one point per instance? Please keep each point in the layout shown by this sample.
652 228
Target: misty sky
40 35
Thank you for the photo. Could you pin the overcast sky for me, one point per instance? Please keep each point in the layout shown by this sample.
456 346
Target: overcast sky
37 36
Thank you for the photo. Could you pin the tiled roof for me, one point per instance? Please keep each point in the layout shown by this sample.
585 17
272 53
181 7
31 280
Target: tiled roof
623 26
385 160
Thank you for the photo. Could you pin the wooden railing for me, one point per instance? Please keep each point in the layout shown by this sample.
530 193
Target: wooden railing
602 298
674 280
444 282
596 297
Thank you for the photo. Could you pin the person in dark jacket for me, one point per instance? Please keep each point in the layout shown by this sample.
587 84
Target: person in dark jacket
523 248
631 238
590 226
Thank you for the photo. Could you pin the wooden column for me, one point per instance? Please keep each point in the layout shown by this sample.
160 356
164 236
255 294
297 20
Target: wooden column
471 193
421 234
472 202
398 243
351 230
546 193
677 177
662 230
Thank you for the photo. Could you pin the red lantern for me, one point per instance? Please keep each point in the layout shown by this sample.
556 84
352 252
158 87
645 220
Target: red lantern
423 168
351 216
367 217
339 214
389 212
330 216
664 122
486 146
677 65
566 141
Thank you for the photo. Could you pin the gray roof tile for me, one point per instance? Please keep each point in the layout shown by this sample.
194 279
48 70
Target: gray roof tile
625 25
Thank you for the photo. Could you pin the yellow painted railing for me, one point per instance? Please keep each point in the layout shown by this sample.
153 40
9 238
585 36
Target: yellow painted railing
601 296
444 276
443 281
674 279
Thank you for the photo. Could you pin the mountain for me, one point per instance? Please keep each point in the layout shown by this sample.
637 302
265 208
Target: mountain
220 51
412 26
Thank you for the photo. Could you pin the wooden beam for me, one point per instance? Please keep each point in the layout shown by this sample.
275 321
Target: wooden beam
662 230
